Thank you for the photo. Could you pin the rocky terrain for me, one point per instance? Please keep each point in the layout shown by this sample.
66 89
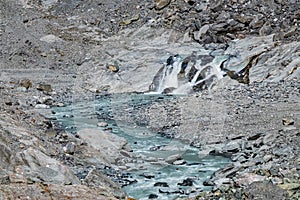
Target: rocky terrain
55 51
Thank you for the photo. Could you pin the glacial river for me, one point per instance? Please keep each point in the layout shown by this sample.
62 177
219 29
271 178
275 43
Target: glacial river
165 168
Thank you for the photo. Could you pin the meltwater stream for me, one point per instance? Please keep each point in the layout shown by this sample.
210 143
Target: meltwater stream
185 170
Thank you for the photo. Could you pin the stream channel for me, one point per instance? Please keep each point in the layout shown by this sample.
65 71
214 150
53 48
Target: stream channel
151 176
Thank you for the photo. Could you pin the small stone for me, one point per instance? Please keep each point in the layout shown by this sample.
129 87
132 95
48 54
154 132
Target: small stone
160 4
113 68
102 124
287 121
267 158
129 21
173 158
26 83
44 87
179 162
41 106
69 148
50 39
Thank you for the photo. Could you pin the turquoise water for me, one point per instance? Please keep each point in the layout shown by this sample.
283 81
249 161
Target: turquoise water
152 165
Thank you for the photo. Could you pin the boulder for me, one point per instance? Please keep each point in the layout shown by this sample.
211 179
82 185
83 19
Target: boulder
108 144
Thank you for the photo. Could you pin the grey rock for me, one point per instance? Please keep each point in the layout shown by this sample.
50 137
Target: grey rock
102 124
232 147
51 39
262 190
107 143
160 4
44 87
69 148
42 168
173 158
96 179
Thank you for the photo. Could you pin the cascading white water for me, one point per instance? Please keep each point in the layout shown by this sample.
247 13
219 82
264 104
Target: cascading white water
190 74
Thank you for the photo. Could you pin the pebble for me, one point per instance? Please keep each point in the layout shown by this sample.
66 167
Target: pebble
102 124
160 4
41 106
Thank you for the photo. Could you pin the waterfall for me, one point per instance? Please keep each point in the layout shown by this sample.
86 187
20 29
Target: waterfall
187 75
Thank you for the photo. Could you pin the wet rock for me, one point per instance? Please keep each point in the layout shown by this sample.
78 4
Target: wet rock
186 182
179 162
102 124
152 196
161 184
160 4
173 158
148 176
170 191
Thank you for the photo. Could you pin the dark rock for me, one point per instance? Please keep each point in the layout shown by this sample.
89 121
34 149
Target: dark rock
152 196
186 182
161 184
148 176
9 103
255 137
170 191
